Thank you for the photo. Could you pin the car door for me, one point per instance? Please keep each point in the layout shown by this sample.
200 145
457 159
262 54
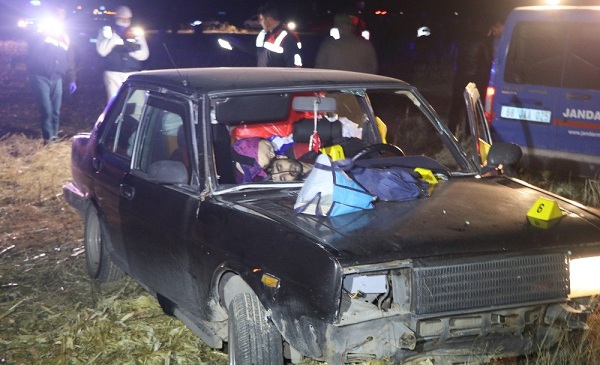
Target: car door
158 210
112 160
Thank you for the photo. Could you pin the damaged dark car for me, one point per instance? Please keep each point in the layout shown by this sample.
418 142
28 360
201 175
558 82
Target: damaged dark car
478 268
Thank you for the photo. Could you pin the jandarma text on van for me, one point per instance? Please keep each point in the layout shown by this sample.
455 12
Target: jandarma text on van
584 133
582 114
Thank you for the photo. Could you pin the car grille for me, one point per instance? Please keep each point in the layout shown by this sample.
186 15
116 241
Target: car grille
493 282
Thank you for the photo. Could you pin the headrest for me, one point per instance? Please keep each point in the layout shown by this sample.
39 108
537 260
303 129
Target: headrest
329 132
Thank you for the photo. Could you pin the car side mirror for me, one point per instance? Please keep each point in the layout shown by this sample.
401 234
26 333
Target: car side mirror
506 154
168 172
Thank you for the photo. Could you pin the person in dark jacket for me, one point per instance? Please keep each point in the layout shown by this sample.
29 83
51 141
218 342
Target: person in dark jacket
123 48
348 51
276 45
474 63
50 59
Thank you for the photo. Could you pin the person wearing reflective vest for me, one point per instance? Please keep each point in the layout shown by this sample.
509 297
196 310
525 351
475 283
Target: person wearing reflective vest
276 45
51 58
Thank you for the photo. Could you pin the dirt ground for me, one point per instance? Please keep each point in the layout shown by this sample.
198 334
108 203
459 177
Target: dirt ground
50 312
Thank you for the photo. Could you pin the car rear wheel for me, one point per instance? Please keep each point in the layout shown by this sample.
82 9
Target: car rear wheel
97 260
253 339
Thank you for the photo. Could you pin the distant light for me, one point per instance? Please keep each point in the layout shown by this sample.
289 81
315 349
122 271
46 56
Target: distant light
196 23
291 25
224 44
423 32
552 2
22 23
102 7
35 2
334 33
380 12
365 34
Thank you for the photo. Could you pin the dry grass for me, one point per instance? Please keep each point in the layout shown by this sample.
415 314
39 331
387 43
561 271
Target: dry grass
586 191
50 312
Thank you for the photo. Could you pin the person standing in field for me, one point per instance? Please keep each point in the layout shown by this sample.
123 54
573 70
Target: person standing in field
51 59
276 45
123 48
347 50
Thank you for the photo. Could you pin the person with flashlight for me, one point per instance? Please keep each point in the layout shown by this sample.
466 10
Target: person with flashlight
123 48
50 59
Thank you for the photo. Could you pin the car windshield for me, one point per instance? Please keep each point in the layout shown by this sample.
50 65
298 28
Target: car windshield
275 138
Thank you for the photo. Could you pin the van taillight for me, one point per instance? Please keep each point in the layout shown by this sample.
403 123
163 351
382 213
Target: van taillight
489 104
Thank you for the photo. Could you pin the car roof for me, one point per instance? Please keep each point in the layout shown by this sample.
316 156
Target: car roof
214 80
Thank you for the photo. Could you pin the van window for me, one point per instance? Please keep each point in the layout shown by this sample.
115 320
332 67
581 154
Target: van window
555 54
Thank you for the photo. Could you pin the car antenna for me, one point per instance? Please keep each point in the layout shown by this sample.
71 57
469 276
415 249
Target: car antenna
183 80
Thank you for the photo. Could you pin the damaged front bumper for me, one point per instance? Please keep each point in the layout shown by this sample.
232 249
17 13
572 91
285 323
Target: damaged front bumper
474 338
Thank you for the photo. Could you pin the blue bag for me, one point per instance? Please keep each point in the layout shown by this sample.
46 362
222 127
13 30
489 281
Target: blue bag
391 183
329 191
393 178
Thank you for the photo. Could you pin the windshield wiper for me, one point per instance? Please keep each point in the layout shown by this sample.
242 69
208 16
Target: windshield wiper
253 186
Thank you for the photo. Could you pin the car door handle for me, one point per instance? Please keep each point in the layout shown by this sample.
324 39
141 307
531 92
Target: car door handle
127 191
96 164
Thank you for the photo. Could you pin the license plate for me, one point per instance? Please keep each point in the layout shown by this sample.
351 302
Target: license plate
531 115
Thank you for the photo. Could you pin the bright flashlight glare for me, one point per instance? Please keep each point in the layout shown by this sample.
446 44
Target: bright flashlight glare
22 23
291 25
224 44
334 33
584 277
50 26
552 2
138 32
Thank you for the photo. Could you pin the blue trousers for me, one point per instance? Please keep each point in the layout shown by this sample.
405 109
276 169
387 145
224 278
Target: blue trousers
49 95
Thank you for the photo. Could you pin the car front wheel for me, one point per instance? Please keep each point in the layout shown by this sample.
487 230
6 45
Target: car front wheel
98 262
253 339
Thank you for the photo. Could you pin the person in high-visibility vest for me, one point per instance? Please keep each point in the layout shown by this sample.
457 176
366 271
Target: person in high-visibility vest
277 46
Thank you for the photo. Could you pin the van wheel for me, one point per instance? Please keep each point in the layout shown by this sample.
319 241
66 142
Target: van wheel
98 263
253 339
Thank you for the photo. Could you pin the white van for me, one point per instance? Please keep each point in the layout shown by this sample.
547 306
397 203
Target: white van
544 90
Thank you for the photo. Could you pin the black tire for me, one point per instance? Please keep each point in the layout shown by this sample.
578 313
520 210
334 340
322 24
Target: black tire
253 339
97 259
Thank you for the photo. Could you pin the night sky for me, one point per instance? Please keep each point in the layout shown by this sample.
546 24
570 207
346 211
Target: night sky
236 11
167 13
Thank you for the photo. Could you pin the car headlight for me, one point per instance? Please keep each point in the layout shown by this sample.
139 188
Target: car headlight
584 276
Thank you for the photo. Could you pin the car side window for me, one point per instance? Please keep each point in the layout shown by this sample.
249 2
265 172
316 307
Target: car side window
120 134
163 135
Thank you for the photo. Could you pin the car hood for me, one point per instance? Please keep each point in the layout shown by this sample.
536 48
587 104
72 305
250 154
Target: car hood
460 217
